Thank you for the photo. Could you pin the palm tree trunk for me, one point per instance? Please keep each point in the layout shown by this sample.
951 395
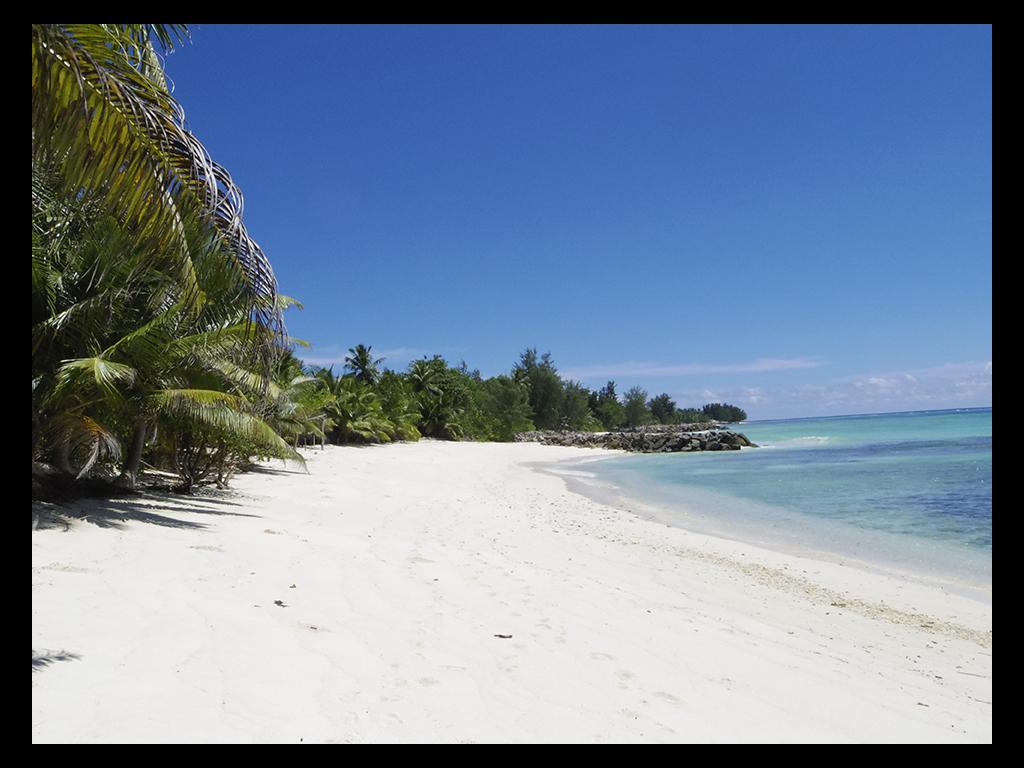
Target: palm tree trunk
64 458
130 473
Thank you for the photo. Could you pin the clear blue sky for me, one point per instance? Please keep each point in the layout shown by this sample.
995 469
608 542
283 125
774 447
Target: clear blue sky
796 220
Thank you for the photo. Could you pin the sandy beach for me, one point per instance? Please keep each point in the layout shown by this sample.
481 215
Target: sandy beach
451 592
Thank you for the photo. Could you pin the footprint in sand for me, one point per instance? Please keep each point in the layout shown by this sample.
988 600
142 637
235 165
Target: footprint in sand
624 677
668 697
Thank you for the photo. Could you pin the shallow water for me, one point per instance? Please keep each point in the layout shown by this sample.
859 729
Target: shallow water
903 491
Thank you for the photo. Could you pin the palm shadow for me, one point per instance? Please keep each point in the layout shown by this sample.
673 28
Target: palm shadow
42 659
140 507
260 470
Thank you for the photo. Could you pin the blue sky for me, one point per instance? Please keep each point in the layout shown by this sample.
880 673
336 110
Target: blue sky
796 220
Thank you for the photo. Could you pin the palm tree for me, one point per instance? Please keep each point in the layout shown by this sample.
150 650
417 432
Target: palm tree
151 303
425 375
440 399
362 365
185 367
103 117
297 402
357 413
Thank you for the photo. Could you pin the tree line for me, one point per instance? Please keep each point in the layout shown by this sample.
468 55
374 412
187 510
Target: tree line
433 398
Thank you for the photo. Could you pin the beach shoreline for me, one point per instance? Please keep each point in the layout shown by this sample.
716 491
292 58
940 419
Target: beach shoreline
590 484
370 600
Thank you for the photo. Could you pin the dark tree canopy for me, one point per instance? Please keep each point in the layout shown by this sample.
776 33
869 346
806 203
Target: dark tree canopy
361 364
544 386
724 412
635 406
663 409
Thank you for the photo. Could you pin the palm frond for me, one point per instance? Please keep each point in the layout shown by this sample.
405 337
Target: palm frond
85 372
221 411
80 435
112 128
247 380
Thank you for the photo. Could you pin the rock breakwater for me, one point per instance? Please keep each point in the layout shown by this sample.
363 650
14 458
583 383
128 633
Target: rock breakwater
652 439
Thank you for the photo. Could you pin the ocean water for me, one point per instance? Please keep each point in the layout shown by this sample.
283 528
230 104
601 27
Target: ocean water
906 492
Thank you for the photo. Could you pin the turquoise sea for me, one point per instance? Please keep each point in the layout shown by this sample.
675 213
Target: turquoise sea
908 492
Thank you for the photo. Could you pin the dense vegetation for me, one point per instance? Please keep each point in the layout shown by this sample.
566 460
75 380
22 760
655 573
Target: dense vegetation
724 412
434 399
157 327
156 321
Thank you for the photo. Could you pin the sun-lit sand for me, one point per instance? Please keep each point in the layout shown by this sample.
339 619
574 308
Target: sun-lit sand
447 592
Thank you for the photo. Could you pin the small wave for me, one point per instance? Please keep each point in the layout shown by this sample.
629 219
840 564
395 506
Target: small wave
571 473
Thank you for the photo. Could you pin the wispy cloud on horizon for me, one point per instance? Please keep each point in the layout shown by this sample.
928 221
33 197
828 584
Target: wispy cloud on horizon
951 385
760 365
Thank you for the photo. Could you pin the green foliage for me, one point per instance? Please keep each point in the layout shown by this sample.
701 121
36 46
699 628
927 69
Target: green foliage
635 407
437 400
724 412
356 413
104 119
606 406
155 317
611 414
444 396
575 408
208 431
505 407
544 387
663 409
690 416
398 402
361 364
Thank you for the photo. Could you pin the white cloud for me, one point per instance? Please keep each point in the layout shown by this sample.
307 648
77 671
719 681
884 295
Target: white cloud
761 365
754 395
952 385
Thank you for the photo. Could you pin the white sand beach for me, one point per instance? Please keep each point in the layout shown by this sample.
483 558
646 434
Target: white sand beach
447 592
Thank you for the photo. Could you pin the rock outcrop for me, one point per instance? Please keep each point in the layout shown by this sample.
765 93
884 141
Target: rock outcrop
662 438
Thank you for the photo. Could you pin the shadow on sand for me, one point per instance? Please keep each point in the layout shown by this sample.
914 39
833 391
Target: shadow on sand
42 659
260 469
143 507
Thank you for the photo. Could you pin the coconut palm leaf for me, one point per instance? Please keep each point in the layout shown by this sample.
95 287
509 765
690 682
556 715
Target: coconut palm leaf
362 364
77 435
221 411
110 126
246 380
103 374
